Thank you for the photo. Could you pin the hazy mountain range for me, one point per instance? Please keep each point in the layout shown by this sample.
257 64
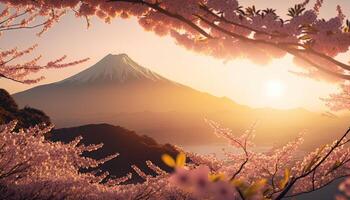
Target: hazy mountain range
133 149
119 91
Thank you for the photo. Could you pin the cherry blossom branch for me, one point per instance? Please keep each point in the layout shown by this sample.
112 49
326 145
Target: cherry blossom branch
328 58
245 150
156 6
9 78
282 47
241 166
222 18
19 72
319 188
294 180
309 61
14 17
304 50
23 27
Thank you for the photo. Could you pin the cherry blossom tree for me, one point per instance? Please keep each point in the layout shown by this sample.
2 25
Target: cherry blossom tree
32 167
16 18
275 174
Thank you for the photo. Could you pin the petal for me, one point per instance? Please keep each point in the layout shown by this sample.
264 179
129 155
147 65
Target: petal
168 160
180 160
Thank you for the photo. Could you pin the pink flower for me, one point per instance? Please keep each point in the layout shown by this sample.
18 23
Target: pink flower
340 197
345 187
200 180
223 191
181 177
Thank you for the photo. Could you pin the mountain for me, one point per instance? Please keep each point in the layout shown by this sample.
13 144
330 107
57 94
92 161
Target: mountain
117 90
133 149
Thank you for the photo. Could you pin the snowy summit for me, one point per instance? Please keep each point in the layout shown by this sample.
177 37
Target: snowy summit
114 68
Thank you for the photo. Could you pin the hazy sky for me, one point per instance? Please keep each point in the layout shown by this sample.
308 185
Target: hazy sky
240 80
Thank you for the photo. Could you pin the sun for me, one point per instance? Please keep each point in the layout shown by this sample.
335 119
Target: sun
274 88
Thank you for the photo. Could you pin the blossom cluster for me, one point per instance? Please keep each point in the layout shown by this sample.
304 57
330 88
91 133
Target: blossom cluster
340 100
26 18
280 172
32 167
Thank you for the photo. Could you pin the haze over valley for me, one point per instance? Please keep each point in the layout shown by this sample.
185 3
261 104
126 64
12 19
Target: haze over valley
119 91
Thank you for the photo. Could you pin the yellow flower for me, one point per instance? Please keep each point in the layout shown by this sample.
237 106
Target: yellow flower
216 177
238 183
285 179
178 163
254 188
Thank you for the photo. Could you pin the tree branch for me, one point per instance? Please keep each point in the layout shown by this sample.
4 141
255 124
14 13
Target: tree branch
294 180
156 7
280 46
222 18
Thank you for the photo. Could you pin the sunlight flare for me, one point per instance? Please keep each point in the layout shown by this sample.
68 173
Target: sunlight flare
274 89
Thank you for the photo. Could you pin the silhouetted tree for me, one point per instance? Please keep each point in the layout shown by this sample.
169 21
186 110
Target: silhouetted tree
27 117
6 101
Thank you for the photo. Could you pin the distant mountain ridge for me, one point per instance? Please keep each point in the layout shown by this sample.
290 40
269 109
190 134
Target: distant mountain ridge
117 90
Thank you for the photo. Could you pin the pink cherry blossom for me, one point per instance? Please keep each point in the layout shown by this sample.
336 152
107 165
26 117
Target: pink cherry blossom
345 187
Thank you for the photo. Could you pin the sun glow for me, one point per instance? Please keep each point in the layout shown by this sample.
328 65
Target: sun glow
274 88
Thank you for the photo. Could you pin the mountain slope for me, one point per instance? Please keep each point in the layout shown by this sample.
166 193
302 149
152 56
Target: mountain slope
116 84
133 149
117 90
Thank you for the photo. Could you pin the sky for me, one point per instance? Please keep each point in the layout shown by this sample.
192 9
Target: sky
241 80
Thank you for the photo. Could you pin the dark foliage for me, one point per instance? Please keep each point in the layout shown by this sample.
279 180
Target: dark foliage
7 102
26 117
30 116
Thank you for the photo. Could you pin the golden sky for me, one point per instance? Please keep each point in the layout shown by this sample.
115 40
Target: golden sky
240 80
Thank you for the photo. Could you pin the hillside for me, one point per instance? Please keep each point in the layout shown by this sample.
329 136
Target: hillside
133 149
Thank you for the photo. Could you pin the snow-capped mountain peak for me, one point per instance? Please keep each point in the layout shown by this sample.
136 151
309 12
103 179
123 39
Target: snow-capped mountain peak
114 68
